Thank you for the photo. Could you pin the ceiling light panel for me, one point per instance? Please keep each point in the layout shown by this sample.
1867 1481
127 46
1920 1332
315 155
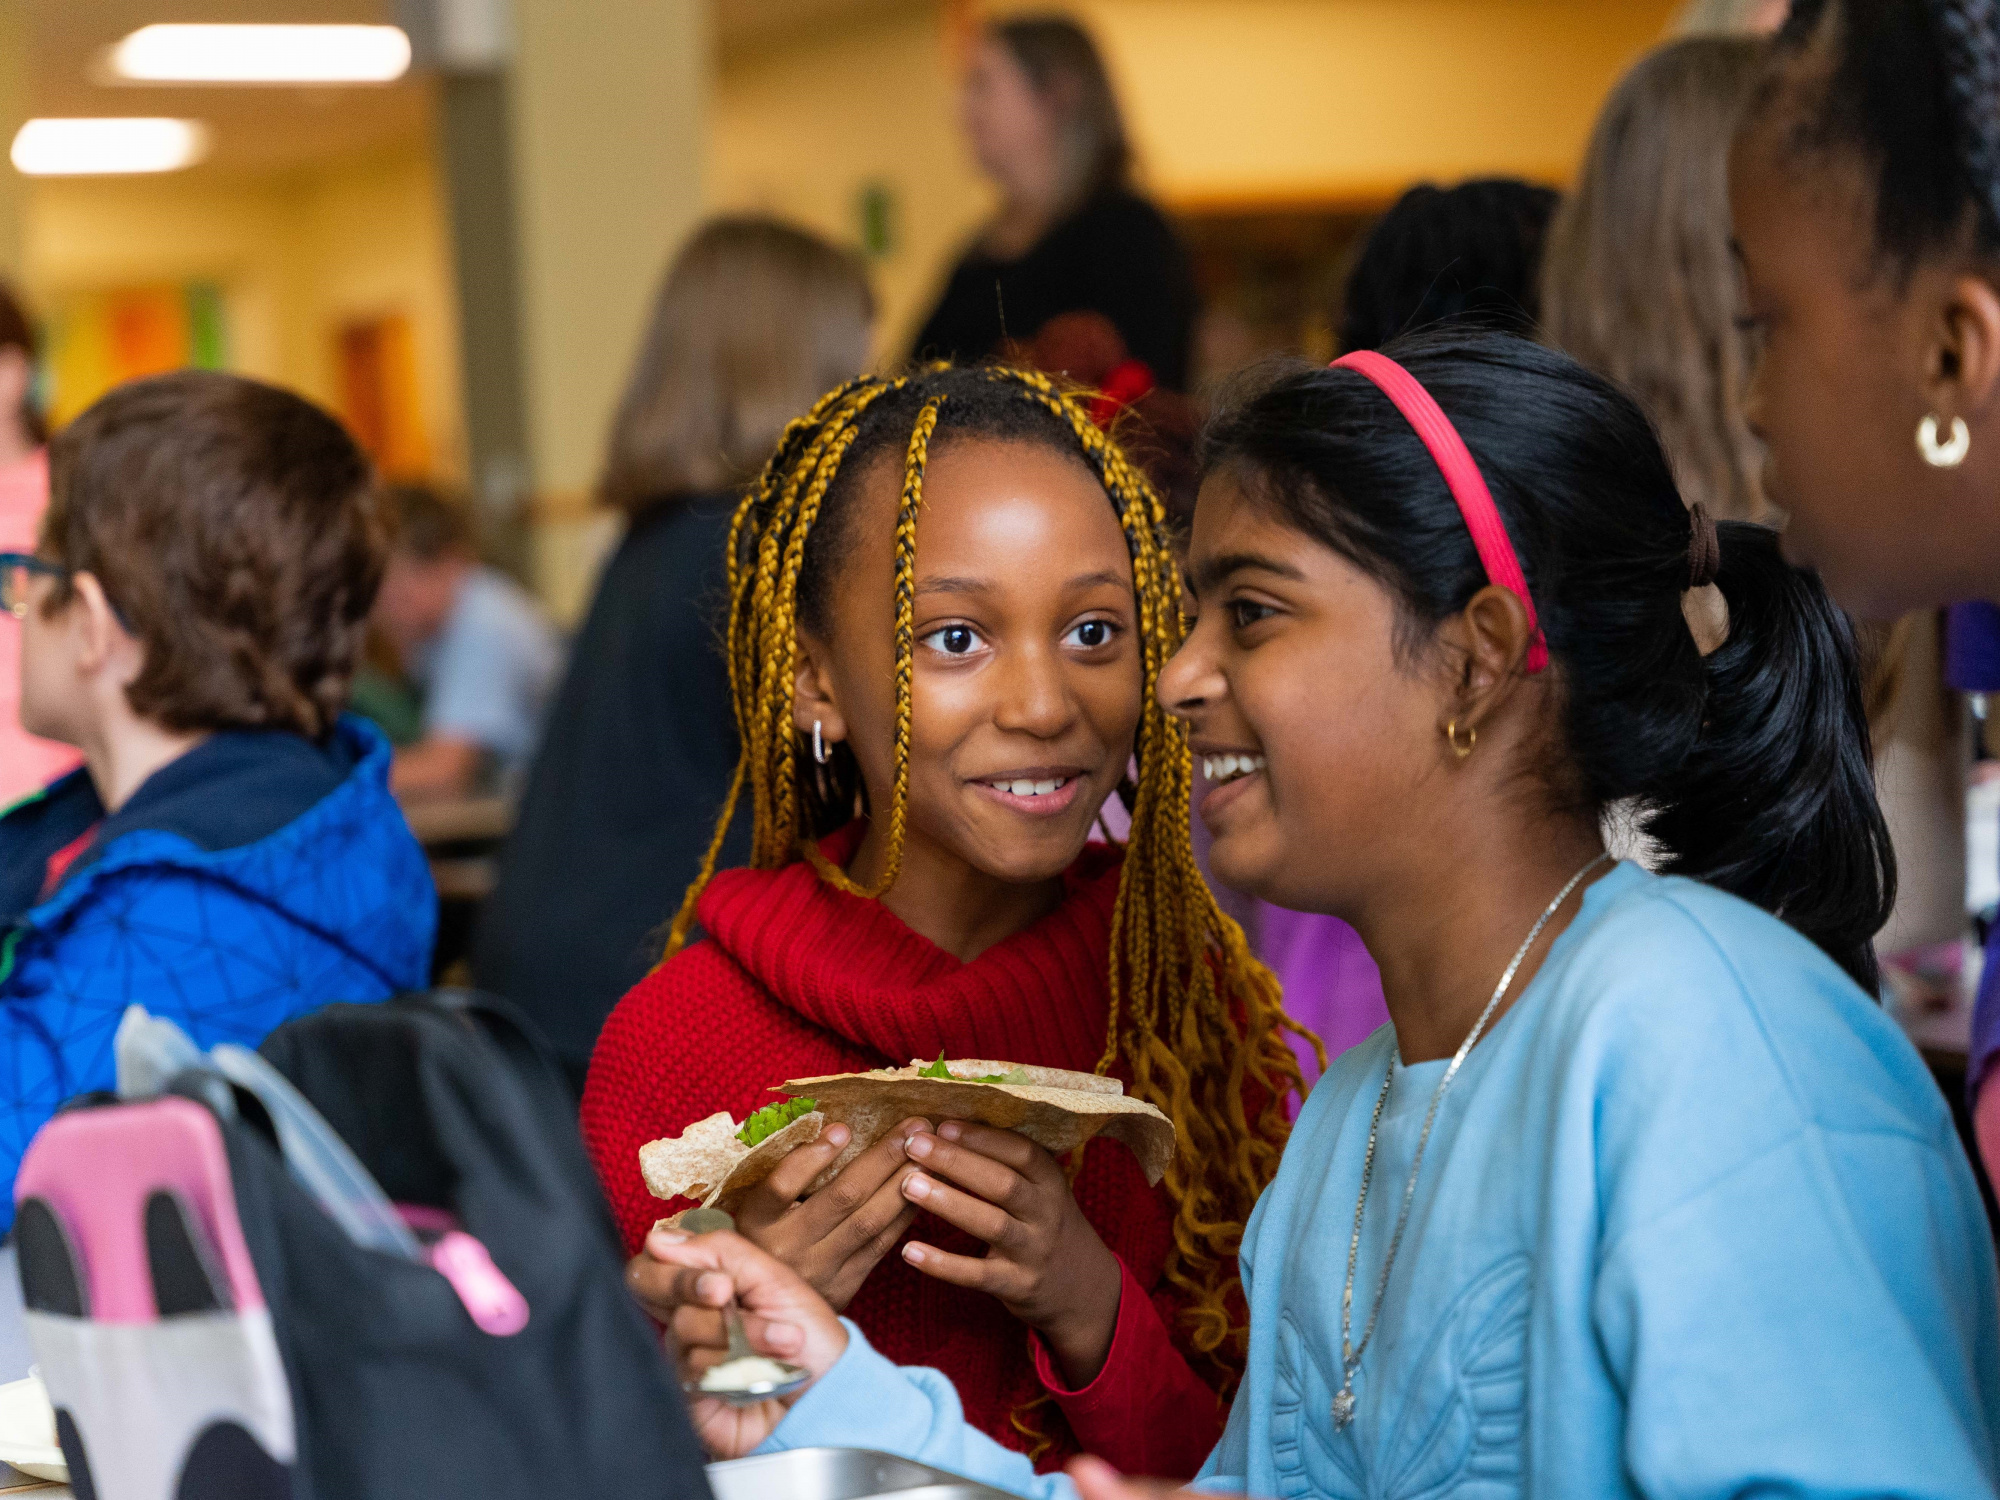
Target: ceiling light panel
104 147
261 54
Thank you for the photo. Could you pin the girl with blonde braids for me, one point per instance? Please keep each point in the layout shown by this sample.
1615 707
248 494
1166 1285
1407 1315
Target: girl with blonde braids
951 599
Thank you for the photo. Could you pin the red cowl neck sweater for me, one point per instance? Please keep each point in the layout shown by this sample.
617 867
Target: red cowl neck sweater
797 979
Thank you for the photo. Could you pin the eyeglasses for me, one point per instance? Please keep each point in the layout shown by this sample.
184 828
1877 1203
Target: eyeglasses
16 569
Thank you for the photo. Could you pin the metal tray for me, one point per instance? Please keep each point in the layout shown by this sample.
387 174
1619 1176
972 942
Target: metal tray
840 1474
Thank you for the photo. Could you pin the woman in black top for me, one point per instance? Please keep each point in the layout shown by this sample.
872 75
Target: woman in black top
754 321
1070 234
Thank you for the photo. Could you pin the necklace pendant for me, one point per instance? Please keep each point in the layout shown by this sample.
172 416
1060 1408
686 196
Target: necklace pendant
1343 1407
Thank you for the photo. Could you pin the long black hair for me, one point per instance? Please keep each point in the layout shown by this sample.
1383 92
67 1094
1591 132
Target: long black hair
1914 88
1751 765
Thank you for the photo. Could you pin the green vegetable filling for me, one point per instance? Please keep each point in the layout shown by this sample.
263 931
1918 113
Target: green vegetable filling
939 1070
771 1119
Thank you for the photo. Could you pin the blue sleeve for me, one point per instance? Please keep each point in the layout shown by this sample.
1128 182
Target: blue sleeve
864 1401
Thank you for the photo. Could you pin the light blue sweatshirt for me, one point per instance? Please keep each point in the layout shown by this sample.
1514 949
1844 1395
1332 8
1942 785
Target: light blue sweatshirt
1692 1222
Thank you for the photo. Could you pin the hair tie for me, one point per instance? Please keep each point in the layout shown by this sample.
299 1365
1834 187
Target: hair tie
1704 547
1462 477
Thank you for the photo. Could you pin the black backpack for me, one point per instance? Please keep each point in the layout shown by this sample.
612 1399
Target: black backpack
510 1362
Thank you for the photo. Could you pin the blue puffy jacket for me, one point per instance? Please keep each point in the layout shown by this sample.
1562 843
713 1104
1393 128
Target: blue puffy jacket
257 877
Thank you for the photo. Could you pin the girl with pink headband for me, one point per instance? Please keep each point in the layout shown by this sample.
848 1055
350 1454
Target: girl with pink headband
1639 1192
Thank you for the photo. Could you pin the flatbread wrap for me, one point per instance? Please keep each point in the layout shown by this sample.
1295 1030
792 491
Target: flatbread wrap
1057 1109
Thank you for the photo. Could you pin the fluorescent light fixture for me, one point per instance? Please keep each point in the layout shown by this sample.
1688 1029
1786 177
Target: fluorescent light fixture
81 147
261 54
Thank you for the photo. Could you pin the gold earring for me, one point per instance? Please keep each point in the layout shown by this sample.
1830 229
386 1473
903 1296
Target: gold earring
1946 455
1471 739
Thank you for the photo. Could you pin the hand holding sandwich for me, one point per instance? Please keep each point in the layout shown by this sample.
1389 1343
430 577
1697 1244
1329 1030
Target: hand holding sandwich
1044 1261
837 1236
833 1239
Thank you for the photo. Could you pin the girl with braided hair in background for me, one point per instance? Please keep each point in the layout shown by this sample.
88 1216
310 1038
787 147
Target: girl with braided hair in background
951 599
1865 188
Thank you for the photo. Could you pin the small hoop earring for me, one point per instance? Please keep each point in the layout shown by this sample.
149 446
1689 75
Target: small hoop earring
1945 455
820 753
1471 739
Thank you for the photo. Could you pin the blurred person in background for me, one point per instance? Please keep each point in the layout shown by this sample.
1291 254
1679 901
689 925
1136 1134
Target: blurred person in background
1865 188
27 763
1637 282
473 644
753 321
229 856
1070 234
1469 255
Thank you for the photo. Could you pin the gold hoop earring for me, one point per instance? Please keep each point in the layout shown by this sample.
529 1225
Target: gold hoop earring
1946 455
1471 739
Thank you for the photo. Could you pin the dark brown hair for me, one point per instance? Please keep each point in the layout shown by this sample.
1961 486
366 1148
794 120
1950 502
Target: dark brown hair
426 524
1064 65
17 333
236 529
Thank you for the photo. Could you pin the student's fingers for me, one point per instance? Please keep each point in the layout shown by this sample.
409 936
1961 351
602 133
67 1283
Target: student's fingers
979 1174
662 1288
1007 1147
730 1266
768 1291
698 1329
997 1278
846 1281
859 1181
854 1233
977 1217
765 1203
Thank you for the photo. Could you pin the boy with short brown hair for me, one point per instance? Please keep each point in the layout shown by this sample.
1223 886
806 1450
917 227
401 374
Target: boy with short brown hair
229 856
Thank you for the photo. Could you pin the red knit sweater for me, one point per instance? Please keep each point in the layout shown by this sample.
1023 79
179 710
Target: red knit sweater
797 979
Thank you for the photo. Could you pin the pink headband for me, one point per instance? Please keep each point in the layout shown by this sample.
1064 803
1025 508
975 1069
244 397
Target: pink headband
1461 475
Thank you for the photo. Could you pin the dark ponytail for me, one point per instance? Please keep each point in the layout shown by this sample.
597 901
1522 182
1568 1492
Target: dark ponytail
1777 801
1751 765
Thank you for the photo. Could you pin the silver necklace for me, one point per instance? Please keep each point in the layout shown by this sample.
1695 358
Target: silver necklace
1350 1353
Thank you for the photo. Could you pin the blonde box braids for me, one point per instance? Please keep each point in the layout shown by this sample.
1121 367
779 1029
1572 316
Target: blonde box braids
1194 1020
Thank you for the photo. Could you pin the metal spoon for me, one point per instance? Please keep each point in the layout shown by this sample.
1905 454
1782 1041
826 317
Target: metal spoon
710 1221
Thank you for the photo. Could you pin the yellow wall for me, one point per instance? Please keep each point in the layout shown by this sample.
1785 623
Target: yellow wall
610 105
1235 100
1230 102
296 255
800 130
610 101
13 110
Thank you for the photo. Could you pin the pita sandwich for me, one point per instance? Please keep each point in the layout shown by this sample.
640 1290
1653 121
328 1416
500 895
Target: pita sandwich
1055 1108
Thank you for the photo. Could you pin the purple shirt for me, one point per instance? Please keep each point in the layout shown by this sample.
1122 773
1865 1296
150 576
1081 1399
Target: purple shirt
1972 665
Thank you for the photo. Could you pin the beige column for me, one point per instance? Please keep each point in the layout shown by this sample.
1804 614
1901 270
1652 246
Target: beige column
13 111
609 107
